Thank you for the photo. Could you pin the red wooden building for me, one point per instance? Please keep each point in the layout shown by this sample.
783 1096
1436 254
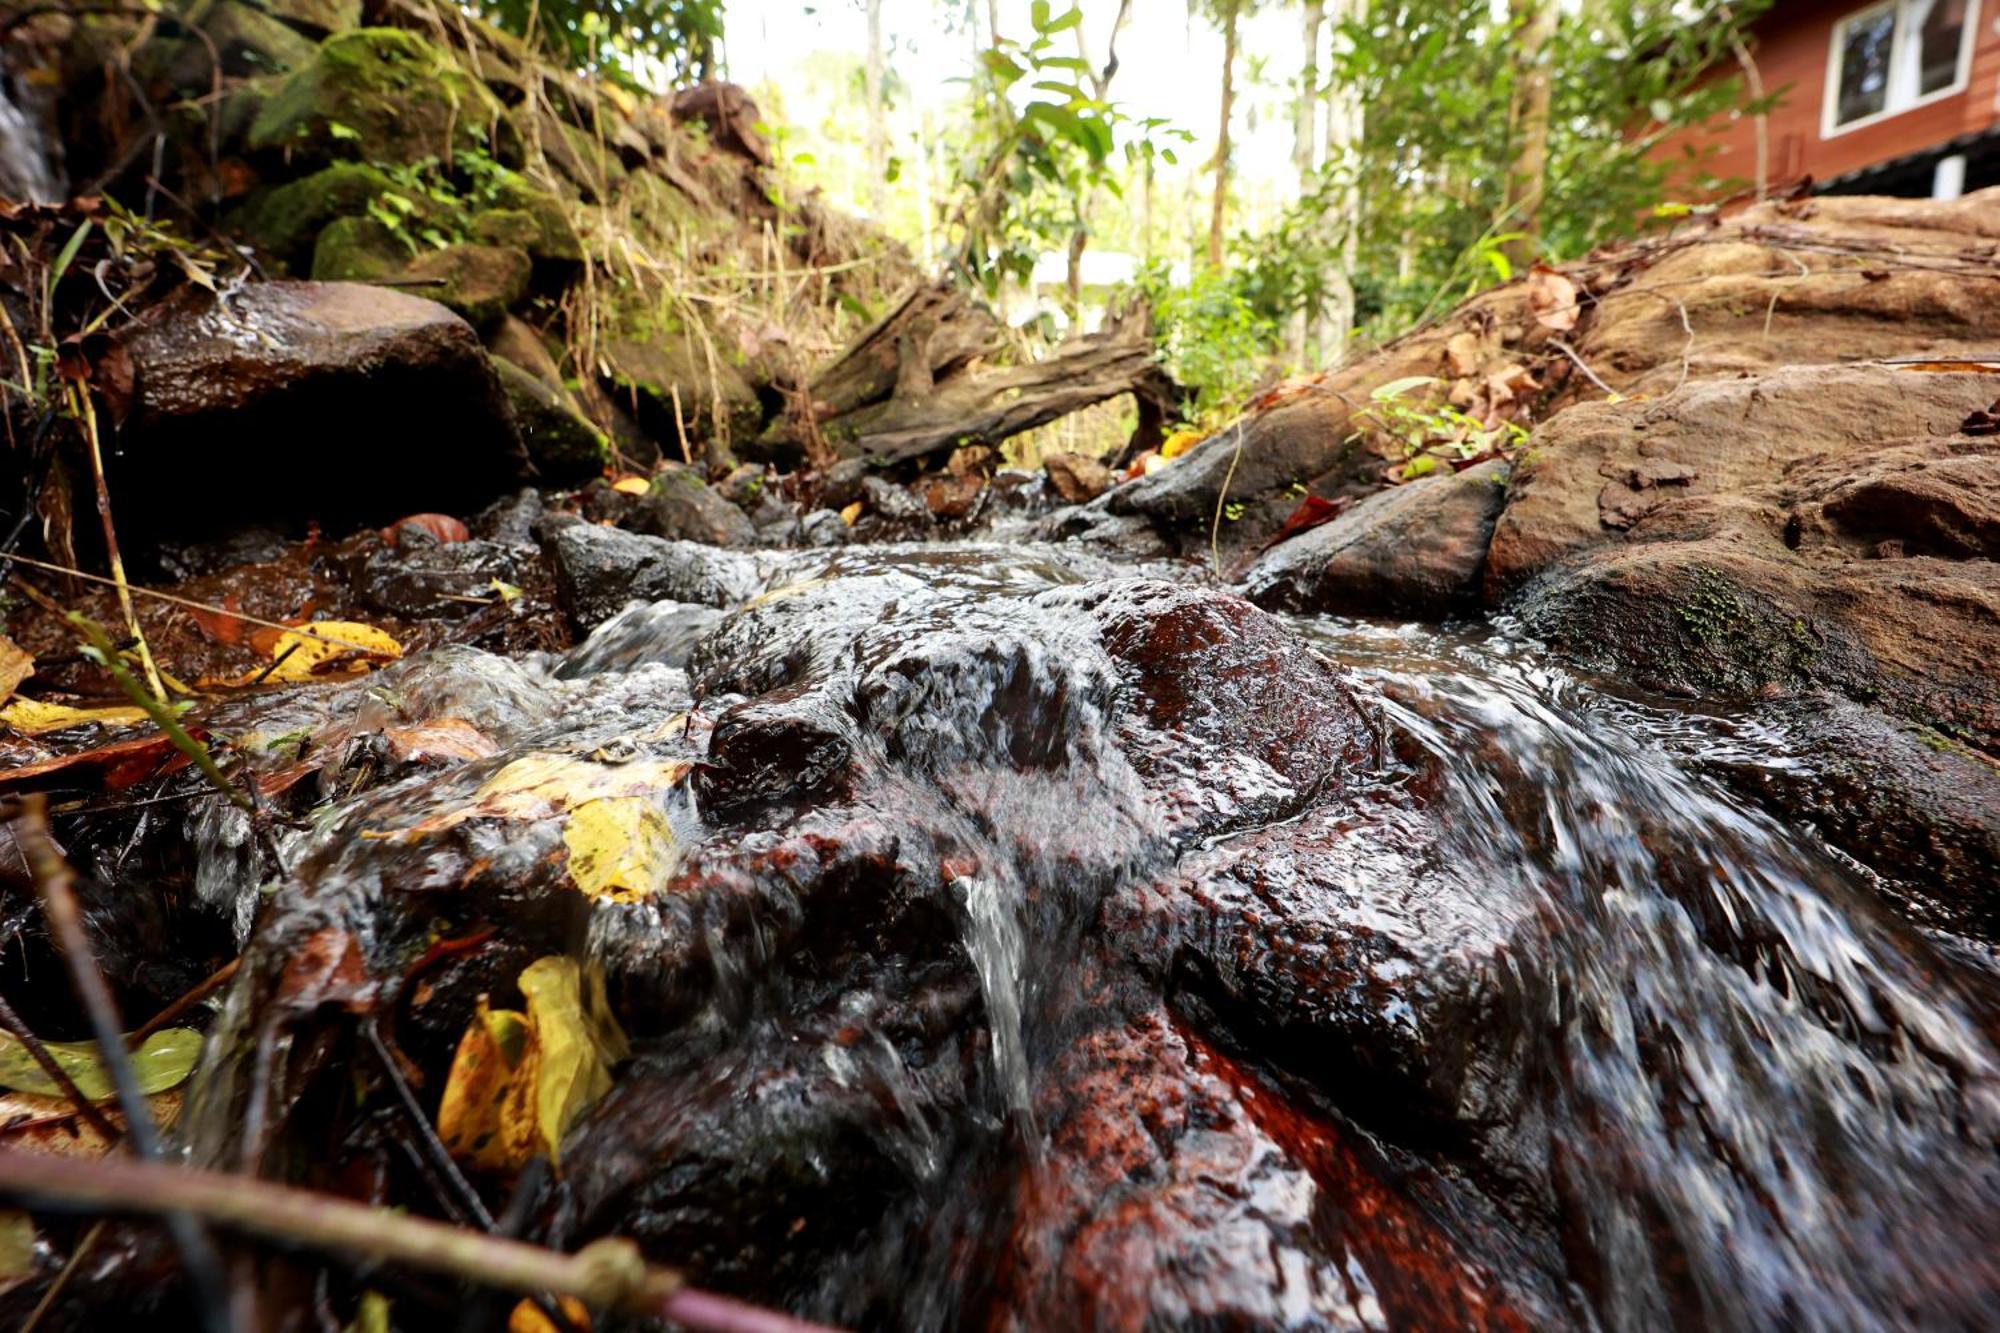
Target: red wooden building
1892 97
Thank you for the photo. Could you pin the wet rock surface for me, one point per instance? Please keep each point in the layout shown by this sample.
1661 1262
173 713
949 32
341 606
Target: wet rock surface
1416 549
226 388
1046 943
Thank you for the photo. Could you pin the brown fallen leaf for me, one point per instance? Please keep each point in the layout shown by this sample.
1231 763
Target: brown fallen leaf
1553 298
445 738
16 665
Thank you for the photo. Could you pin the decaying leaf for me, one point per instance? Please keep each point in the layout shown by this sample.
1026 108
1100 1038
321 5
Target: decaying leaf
541 786
1180 442
1553 298
17 1248
51 1126
486 1116
632 485
15 666
32 717
852 514
443 738
519 1081
1463 353
620 847
325 648
163 1062
527 1317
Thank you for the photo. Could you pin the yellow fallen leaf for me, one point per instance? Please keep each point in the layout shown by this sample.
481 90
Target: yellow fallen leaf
32 717
527 1317
486 1116
780 593
579 1042
343 646
1180 442
851 514
15 666
620 847
541 786
519 1082
632 485
163 1062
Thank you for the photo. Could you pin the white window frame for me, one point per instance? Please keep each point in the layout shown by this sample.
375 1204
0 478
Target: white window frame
1904 55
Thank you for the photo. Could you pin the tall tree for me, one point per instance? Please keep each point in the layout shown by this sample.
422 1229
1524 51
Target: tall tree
1305 145
1534 24
878 116
1100 87
1219 212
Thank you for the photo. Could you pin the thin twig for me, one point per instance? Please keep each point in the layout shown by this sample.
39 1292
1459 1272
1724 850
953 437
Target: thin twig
606 1273
53 882
75 1261
85 1107
202 990
1589 374
88 415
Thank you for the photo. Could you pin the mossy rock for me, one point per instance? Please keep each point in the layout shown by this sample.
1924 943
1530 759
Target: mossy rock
324 15
382 92
480 282
357 249
505 226
284 221
563 443
250 41
555 238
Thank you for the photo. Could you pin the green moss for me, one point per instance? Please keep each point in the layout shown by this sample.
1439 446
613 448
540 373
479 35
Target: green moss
1739 643
382 92
564 445
555 238
504 226
285 221
357 249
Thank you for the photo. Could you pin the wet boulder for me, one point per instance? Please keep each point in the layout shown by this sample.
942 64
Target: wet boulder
1415 549
364 402
681 506
1077 478
599 570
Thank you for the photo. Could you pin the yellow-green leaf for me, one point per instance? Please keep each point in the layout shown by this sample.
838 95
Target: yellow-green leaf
620 847
579 1041
34 716
163 1062
334 645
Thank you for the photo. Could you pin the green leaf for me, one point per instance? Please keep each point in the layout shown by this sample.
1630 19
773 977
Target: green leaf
164 1062
1063 23
1001 67
1038 14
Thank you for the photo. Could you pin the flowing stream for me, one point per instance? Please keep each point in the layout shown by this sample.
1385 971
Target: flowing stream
1050 944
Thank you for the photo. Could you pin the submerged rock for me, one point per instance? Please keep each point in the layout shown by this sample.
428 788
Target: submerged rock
682 507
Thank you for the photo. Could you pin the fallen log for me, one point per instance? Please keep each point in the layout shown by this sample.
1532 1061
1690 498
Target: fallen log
915 383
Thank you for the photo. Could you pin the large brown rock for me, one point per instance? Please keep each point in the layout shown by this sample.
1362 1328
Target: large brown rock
288 401
1816 529
1416 549
1815 281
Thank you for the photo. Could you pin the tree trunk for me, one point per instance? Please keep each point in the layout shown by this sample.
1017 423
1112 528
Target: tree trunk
1305 148
878 124
1079 237
1344 125
1219 213
1527 176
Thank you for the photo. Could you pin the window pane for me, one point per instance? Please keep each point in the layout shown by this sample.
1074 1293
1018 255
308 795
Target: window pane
1864 65
1940 36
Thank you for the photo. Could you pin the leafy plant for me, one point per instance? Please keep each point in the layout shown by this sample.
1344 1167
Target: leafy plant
619 37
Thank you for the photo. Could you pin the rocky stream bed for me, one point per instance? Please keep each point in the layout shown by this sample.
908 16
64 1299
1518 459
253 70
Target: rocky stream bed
1344 871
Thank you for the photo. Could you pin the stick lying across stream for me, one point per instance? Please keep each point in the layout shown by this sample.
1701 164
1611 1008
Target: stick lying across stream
607 1274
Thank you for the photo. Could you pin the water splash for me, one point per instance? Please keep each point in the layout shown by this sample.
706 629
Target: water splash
26 172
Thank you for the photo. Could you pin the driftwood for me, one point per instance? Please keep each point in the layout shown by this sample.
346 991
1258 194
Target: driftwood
914 382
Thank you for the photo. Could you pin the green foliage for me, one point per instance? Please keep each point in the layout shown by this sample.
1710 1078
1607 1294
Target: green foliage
1425 429
1437 78
616 37
1213 339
